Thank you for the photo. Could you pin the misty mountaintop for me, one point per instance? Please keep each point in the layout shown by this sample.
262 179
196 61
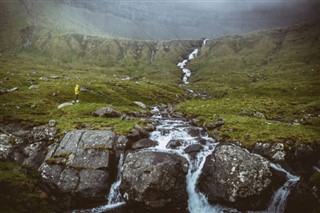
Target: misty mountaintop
159 19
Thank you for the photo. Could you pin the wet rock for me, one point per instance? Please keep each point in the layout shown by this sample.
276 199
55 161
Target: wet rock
144 143
174 144
194 148
154 180
122 142
107 112
303 157
233 176
142 131
82 164
302 199
272 151
5 146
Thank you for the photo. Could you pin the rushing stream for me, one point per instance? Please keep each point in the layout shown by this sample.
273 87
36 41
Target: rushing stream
169 129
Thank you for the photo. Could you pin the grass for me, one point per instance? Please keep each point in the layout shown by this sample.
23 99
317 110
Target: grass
254 73
19 191
273 72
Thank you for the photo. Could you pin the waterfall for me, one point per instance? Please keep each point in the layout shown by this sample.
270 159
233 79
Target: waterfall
185 71
279 198
114 198
114 194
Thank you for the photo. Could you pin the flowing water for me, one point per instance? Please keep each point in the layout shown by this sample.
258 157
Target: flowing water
180 130
169 130
279 198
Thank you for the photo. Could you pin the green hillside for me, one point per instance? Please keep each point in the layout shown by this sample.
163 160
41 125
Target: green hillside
264 85
274 72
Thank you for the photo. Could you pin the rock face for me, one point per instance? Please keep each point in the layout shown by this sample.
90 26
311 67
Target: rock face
155 180
233 176
5 146
81 164
272 151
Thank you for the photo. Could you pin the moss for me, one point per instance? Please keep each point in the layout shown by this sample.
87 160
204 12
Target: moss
19 191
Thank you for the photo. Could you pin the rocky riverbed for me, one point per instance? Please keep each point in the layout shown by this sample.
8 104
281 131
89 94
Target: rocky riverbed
79 167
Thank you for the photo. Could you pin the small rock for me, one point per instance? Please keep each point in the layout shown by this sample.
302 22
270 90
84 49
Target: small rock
64 105
259 115
34 87
55 77
106 112
13 89
33 106
142 105
52 123
83 89
144 143
43 79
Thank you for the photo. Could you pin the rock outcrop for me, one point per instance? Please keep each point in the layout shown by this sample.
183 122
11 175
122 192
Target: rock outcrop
233 176
155 180
81 164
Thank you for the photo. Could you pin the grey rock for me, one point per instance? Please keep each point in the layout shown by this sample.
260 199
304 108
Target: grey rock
3 91
93 183
155 180
215 125
144 143
5 146
42 133
13 89
272 151
34 87
193 148
64 105
83 89
81 163
52 123
55 77
259 115
140 104
43 79
107 112
233 176
34 154
173 144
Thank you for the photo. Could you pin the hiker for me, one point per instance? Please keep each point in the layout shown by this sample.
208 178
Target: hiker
76 92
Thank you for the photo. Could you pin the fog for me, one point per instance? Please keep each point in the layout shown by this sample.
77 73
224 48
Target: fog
178 19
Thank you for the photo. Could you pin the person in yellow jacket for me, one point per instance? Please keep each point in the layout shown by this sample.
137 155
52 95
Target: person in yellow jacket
76 92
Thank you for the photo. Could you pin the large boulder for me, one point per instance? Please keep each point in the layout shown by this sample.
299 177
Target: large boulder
233 176
155 180
82 164
107 112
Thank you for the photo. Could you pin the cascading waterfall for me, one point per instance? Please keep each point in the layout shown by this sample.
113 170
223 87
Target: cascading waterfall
185 71
279 198
178 129
114 198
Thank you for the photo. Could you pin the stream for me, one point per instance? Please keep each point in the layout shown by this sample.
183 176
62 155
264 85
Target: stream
169 129
174 129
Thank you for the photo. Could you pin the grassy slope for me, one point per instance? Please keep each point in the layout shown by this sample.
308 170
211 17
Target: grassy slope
275 72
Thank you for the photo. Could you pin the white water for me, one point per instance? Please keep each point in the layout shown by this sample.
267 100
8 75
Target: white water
279 198
174 129
114 198
185 71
